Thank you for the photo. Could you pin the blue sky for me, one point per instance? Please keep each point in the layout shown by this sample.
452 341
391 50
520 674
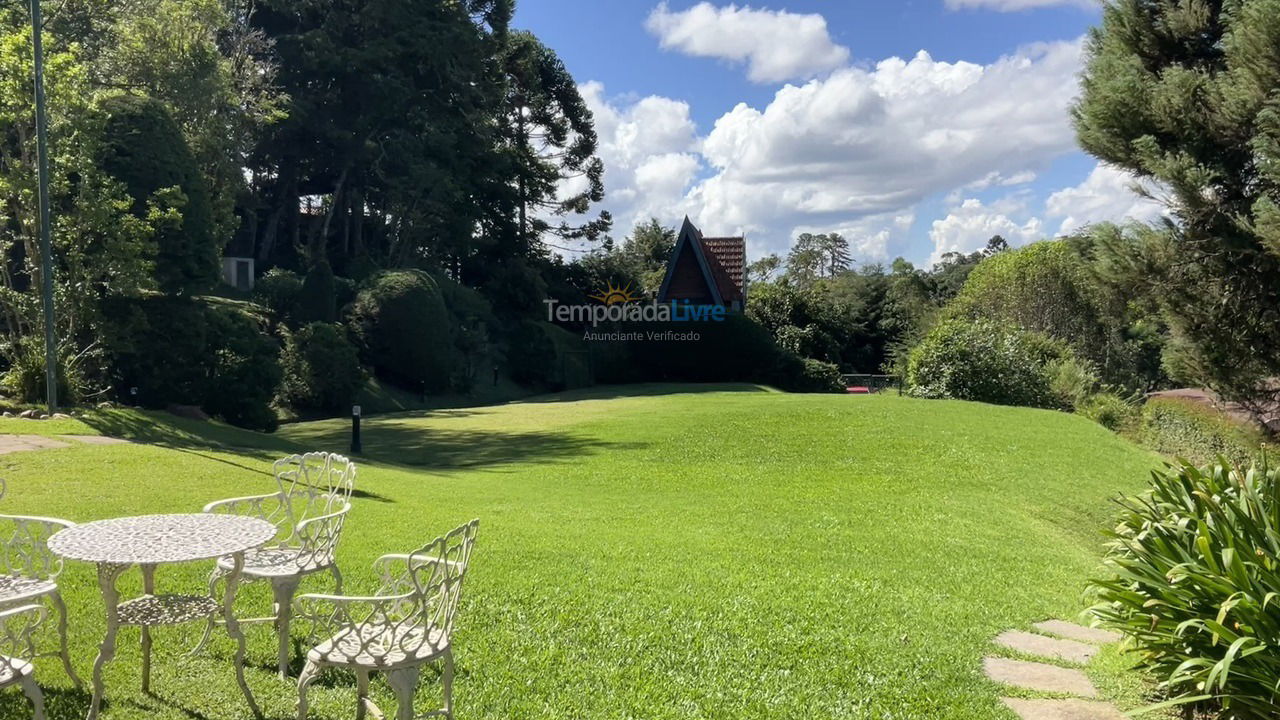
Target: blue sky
824 115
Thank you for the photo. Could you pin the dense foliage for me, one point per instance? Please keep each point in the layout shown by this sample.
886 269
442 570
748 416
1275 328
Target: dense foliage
321 369
1189 429
988 362
1195 581
403 330
1184 93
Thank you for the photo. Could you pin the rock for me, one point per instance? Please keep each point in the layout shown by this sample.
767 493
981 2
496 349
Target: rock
1039 677
106 405
8 414
31 414
191 412
1063 710
61 416
1041 646
1079 633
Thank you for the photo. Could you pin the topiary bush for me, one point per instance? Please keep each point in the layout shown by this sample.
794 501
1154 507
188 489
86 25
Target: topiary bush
987 362
403 332
321 369
318 299
1194 583
1197 432
815 376
278 290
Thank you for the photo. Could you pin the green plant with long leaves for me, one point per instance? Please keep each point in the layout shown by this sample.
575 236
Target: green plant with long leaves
1195 584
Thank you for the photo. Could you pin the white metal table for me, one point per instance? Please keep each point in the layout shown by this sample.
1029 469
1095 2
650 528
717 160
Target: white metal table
150 540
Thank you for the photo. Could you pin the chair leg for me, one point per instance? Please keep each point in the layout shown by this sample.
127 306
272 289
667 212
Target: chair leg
362 693
446 681
61 608
337 577
214 577
32 691
403 683
308 676
284 589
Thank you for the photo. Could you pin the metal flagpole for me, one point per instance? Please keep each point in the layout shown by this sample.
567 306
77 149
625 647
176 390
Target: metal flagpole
46 241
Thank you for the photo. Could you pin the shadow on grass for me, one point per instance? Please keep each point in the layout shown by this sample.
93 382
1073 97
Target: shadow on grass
436 449
606 392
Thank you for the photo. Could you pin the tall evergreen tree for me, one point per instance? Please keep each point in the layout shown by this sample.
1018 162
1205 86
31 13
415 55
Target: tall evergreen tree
1186 93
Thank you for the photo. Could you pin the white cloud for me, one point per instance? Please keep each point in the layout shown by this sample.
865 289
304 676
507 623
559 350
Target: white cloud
1015 5
847 153
970 225
774 44
1107 195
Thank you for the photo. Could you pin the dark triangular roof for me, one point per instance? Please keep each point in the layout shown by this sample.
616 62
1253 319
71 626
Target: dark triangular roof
691 238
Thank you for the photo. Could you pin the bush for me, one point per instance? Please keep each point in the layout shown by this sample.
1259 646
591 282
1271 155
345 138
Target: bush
25 380
219 358
321 369
987 362
806 375
1072 382
1176 426
1195 585
403 330
317 300
278 290
1110 411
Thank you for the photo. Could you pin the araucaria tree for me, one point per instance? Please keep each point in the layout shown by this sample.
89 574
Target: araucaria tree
1188 94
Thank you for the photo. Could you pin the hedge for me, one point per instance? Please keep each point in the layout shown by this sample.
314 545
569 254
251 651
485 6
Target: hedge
1197 432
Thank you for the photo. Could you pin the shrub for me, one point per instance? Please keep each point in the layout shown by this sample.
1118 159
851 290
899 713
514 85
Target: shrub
1072 382
1110 411
321 368
806 375
317 300
1195 582
403 330
533 354
1177 426
25 380
987 362
278 290
219 358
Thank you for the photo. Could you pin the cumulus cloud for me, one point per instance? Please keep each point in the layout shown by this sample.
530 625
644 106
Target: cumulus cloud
1107 195
775 45
970 225
1015 5
849 152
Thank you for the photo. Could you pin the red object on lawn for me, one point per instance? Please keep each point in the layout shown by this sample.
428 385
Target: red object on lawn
858 390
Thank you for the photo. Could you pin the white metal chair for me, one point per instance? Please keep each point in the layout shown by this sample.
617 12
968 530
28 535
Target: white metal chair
310 509
29 572
408 623
17 640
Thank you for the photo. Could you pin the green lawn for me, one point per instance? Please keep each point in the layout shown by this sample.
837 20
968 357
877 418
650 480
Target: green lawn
646 553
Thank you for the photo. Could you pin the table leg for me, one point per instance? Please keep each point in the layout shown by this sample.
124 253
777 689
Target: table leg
107 576
148 588
233 629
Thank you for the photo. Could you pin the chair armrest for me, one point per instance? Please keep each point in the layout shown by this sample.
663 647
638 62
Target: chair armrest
50 522
259 506
333 614
319 535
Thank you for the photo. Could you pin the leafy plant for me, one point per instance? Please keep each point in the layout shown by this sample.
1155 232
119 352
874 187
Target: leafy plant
1189 429
1195 584
321 368
986 361
1109 410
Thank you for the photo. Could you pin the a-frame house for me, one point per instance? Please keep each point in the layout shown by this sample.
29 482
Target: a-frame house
706 271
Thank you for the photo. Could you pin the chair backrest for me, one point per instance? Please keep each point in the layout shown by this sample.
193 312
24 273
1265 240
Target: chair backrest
437 572
24 545
17 639
314 485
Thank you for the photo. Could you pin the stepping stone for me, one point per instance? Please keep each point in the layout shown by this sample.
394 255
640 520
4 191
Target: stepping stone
1038 676
1041 646
1079 633
95 439
1063 710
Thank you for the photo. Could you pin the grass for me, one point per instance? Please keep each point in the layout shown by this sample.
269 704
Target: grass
649 553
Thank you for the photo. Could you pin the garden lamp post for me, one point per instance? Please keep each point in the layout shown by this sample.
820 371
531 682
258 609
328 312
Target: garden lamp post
46 242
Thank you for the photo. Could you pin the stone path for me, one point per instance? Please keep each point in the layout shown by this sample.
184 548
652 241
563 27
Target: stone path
20 443
1055 640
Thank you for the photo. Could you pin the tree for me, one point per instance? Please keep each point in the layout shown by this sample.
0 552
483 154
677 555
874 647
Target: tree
1184 93
648 249
551 140
763 270
807 260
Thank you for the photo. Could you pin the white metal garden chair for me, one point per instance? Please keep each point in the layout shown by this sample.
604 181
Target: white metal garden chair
408 623
29 572
310 509
17 640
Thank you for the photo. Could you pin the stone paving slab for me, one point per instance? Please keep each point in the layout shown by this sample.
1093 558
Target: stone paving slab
20 443
95 439
1038 676
1063 710
1047 647
1079 633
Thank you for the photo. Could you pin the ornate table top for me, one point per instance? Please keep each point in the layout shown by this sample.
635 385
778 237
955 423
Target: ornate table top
159 539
